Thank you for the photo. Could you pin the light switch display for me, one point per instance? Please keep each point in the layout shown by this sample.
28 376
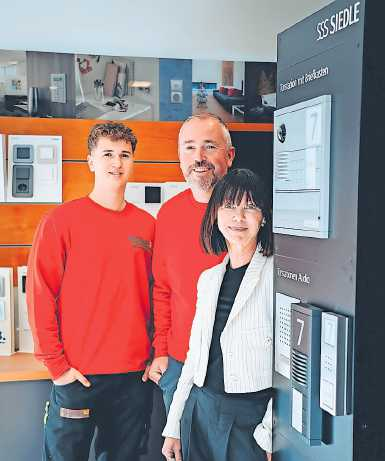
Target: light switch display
34 169
25 334
7 333
2 311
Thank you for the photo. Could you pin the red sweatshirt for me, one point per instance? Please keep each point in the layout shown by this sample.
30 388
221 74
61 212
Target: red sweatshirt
178 261
88 288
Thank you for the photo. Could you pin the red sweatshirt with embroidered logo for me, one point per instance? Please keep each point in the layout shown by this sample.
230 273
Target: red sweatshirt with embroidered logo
88 288
178 261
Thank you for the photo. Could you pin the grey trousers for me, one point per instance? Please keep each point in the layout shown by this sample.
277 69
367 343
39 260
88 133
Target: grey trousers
220 427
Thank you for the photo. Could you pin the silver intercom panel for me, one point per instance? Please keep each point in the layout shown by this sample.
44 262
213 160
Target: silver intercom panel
301 168
336 360
3 169
34 169
283 333
25 334
305 372
150 196
7 312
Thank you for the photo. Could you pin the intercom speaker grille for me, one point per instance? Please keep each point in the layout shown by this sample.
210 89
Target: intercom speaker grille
284 325
299 367
282 166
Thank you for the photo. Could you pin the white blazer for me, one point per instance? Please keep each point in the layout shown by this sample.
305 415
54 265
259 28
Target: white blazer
246 341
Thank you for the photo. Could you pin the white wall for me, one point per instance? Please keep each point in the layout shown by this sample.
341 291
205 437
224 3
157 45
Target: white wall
206 71
148 70
201 29
239 74
211 72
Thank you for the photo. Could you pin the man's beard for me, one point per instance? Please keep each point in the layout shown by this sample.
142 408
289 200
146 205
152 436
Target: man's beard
205 182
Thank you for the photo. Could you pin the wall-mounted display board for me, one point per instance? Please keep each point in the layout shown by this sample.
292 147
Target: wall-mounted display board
331 56
42 84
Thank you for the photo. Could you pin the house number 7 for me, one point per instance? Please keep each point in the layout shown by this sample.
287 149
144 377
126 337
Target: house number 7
302 323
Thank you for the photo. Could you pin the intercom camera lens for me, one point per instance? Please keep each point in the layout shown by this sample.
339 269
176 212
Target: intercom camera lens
281 133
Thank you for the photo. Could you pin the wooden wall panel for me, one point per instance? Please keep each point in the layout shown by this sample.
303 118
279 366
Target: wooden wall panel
157 172
157 141
78 181
256 127
18 222
13 257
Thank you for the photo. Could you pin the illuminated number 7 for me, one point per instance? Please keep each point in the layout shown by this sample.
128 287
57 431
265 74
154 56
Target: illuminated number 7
314 116
302 323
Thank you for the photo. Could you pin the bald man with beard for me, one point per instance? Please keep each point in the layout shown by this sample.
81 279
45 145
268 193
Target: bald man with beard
205 153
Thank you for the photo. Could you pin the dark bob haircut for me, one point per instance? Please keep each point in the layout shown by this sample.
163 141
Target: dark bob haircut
231 189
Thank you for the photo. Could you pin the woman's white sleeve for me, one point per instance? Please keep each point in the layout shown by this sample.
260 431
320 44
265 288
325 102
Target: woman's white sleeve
263 433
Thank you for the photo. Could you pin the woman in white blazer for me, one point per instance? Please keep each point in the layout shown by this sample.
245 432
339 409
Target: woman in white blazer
221 410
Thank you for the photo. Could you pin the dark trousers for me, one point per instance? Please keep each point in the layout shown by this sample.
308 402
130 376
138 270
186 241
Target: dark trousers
169 381
117 405
217 427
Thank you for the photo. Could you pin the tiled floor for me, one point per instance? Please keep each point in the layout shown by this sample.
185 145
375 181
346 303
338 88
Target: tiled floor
214 107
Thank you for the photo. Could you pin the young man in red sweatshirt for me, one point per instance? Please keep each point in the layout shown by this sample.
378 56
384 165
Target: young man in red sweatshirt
89 309
205 154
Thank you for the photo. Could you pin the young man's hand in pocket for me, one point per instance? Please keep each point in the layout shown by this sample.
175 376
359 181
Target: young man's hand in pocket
71 376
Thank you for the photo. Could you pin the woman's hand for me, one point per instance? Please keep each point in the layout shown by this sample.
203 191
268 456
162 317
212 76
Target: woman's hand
71 376
269 456
171 449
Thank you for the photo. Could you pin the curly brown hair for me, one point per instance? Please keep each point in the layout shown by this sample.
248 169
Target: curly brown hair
113 131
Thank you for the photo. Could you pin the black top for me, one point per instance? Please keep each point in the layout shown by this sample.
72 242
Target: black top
229 289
